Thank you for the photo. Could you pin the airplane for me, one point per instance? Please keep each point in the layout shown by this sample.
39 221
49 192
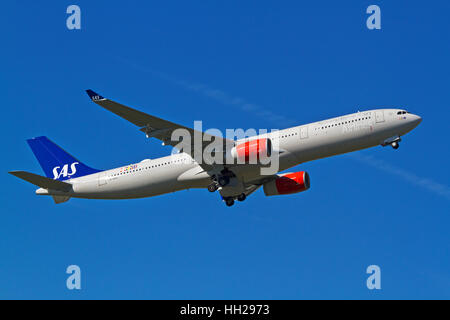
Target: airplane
67 177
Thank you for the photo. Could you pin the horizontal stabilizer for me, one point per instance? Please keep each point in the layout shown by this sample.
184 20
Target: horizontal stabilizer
42 182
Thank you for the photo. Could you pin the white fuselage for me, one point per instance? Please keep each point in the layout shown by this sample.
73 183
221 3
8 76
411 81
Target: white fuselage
299 144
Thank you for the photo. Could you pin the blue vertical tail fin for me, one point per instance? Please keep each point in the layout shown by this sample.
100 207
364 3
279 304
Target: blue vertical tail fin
57 163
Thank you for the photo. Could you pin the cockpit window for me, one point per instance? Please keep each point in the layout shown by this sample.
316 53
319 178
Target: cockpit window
402 112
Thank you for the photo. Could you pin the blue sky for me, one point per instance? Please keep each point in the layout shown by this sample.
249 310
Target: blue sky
296 62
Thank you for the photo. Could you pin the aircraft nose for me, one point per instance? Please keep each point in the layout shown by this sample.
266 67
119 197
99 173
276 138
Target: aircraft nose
416 120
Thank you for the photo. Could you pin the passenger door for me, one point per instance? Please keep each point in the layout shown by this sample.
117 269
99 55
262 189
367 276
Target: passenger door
102 178
304 132
379 116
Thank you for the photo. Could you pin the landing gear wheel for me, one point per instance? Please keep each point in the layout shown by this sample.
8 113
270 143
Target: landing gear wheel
229 202
242 197
212 187
395 145
223 181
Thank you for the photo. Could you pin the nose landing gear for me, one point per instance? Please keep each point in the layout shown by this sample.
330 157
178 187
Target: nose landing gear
395 145
394 142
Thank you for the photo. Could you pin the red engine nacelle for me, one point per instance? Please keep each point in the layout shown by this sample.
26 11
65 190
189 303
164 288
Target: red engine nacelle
287 183
253 150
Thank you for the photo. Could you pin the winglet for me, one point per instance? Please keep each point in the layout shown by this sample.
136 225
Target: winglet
94 96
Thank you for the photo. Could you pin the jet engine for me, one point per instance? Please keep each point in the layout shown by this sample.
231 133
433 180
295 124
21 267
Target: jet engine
252 151
287 183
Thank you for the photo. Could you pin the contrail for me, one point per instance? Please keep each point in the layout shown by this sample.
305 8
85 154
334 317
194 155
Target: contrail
225 99
219 96
430 185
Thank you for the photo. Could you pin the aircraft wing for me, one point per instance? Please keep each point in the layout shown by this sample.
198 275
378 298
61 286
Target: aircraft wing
153 126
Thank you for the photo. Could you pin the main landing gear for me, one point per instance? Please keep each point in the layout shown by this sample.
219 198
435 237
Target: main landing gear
221 180
216 183
229 201
213 187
